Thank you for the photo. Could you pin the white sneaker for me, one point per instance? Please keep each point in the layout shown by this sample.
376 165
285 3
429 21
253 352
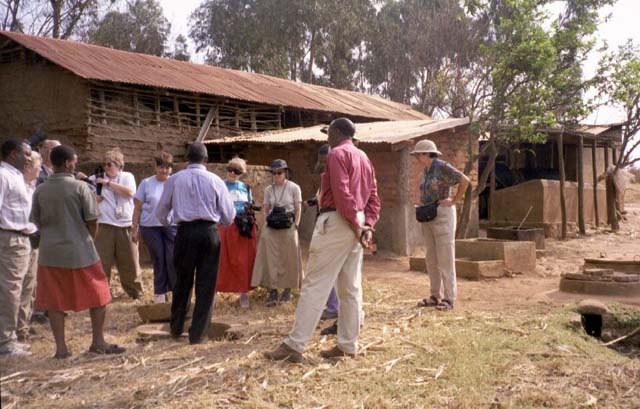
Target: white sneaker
244 300
159 298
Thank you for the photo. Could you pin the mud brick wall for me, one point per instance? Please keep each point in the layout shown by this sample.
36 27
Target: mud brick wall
41 96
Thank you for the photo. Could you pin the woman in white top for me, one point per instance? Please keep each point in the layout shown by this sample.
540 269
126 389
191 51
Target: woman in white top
278 262
114 240
159 239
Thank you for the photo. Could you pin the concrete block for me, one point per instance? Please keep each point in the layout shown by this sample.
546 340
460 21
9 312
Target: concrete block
515 234
600 287
476 270
518 256
417 264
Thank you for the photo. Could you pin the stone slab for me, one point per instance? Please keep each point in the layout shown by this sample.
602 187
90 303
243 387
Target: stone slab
591 306
476 270
598 272
600 287
512 233
217 330
586 277
623 266
518 256
160 312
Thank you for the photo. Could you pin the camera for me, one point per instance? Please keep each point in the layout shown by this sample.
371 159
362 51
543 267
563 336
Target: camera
312 202
250 206
99 173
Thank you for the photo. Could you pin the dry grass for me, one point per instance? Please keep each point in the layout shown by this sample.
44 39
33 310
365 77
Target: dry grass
521 358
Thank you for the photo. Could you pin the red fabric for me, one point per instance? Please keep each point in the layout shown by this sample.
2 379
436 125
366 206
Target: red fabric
72 289
349 184
237 255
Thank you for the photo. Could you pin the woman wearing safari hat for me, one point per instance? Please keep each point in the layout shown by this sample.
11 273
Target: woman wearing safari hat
278 263
439 222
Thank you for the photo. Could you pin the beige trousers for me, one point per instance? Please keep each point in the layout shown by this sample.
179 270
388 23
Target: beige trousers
335 257
15 250
440 239
115 246
28 294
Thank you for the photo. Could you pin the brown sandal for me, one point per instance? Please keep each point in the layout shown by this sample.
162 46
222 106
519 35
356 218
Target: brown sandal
428 302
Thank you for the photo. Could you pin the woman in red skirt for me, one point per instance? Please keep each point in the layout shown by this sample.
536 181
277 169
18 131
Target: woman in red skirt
238 240
70 275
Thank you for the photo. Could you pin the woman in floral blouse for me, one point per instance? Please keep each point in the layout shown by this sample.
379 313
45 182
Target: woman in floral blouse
437 179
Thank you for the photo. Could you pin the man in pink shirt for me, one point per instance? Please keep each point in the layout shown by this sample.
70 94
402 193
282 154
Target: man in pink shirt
349 209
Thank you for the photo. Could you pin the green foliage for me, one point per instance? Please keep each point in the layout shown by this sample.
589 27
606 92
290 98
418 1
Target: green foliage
142 28
180 49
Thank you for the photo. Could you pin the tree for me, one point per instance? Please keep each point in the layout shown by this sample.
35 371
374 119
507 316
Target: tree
55 18
180 49
142 29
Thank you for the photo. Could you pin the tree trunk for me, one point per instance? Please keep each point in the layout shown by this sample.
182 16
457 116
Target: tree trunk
581 223
465 215
492 189
563 205
595 182
56 6
311 56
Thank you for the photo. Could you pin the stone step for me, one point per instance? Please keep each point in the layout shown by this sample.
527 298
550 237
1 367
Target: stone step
598 271
586 277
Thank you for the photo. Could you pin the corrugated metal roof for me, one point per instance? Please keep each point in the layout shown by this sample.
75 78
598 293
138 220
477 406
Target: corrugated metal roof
390 132
106 64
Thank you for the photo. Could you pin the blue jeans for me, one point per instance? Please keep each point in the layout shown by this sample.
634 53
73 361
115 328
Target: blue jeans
160 241
333 304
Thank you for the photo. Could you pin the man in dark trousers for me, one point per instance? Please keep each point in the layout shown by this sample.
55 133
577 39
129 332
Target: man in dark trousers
349 209
199 200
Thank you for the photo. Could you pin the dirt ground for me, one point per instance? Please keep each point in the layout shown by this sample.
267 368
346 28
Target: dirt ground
508 344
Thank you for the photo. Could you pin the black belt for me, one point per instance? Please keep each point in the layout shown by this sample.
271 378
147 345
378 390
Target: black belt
196 222
17 232
327 210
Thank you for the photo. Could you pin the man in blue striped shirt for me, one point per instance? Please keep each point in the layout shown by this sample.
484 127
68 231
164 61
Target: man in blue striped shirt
199 200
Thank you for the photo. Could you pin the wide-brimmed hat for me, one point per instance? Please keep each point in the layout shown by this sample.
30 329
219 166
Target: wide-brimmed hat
325 130
279 164
425 146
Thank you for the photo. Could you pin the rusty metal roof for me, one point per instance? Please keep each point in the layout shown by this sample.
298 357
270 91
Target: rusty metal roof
389 132
106 64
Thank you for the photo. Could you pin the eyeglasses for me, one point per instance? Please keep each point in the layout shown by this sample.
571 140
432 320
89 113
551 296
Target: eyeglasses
277 172
109 164
234 170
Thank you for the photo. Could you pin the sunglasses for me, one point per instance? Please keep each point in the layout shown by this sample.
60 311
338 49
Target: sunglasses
277 172
234 170
109 164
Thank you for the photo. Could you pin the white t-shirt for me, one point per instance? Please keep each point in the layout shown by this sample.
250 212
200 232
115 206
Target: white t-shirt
283 196
115 209
149 193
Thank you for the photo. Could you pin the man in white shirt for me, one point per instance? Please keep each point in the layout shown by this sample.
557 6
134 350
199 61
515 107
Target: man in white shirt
15 247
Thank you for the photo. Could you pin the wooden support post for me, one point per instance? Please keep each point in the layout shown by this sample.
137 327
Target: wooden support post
136 108
614 155
202 135
176 111
198 120
103 107
216 117
300 119
492 187
279 119
581 223
606 157
563 204
254 125
315 118
595 182
612 217
236 121
157 109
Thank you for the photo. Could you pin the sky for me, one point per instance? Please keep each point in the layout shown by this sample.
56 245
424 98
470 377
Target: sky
622 25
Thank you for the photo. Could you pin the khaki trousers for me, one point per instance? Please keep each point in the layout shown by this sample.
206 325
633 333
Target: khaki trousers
115 246
440 239
28 294
15 250
335 257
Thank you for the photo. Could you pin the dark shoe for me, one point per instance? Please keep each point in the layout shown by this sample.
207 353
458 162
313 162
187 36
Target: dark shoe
330 330
336 352
63 355
285 298
272 300
39 317
107 349
23 336
444 305
328 315
284 353
428 302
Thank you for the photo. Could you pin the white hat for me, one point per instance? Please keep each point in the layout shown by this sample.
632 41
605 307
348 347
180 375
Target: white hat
425 146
